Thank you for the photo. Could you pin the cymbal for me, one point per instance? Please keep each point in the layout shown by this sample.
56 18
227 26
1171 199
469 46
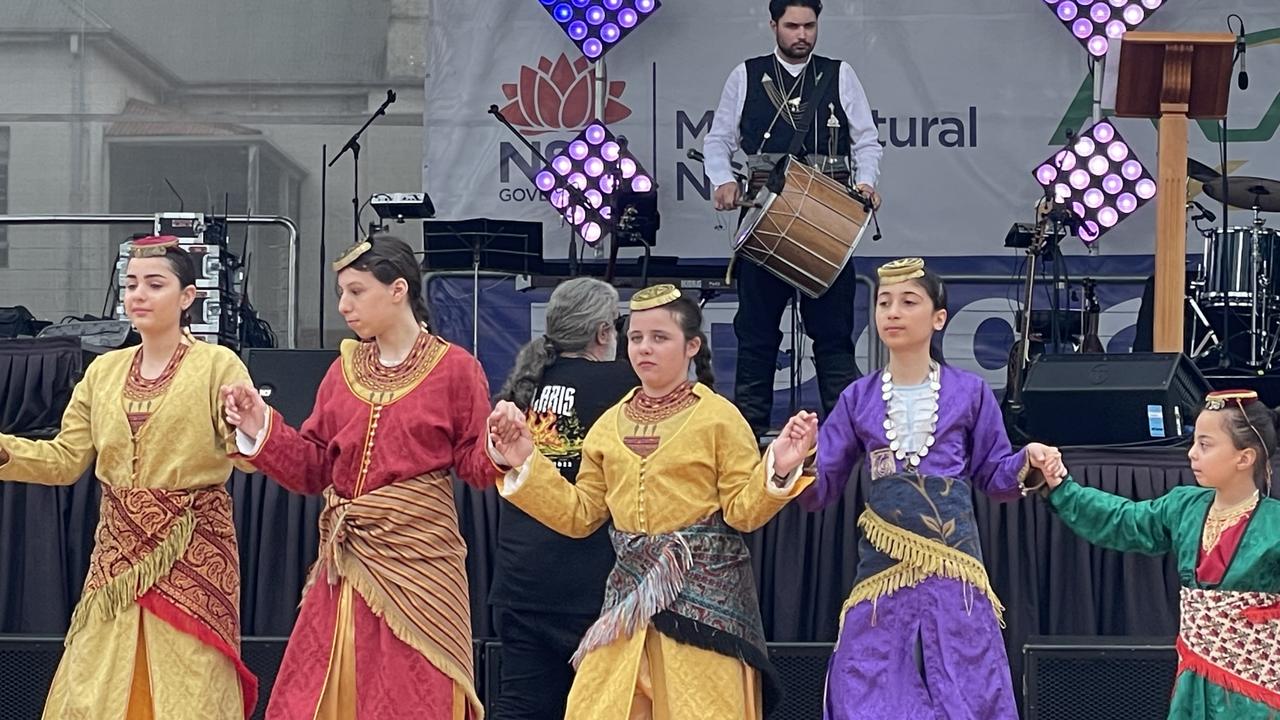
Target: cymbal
1246 192
1197 170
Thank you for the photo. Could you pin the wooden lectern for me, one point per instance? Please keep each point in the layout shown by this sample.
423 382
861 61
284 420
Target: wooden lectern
1173 76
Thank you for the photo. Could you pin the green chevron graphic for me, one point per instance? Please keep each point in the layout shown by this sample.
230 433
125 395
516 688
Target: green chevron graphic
1081 108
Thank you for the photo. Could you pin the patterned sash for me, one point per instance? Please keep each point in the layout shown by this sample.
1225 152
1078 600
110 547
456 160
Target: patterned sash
400 549
696 586
1233 640
914 528
174 553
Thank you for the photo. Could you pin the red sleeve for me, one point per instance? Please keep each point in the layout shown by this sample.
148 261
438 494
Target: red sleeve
470 412
302 460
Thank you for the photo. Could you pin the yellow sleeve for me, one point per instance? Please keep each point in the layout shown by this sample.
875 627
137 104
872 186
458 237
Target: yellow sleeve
743 476
227 369
575 510
62 460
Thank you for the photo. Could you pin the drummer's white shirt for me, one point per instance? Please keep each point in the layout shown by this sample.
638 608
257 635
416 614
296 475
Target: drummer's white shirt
722 140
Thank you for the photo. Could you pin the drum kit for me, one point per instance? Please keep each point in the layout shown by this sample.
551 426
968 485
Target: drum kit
1234 291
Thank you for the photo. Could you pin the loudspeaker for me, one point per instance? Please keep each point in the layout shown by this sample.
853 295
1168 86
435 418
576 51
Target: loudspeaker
802 668
1098 678
27 666
288 379
1105 399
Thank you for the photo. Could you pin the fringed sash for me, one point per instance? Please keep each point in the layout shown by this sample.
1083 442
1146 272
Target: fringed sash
696 586
400 549
174 553
914 528
1233 640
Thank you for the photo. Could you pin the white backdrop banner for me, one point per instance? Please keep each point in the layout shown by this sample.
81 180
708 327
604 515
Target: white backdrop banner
969 98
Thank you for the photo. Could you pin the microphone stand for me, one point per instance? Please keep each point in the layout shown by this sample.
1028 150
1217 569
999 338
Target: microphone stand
562 183
354 146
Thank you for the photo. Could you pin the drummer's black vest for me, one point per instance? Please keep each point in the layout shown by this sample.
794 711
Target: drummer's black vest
761 106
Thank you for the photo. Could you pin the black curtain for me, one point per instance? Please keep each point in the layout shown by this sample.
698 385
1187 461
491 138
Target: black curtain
1050 581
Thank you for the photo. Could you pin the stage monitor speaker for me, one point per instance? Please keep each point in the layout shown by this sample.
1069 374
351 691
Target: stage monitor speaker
1107 399
1098 678
288 379
27 665
802 668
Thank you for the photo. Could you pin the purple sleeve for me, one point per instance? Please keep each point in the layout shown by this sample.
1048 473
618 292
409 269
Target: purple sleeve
839 451
996 470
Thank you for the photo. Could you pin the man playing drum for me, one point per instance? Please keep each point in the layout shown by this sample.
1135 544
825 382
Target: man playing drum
766 101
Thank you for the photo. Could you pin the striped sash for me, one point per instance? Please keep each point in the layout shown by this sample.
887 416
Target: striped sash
400 549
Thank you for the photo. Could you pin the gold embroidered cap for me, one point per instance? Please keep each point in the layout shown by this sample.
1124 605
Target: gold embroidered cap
152 246
1218 399
654 296
352 254
901 270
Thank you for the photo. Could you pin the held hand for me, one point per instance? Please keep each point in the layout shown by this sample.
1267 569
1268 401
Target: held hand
726 196
1048 460
794 442
244 408
871 194
510 434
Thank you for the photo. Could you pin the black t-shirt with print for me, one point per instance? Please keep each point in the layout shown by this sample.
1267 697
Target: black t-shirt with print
537 567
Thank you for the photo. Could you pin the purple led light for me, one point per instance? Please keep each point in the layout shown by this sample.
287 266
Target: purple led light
580 3
1093 197
1100 13
1134 15
1061 192
1088 232
645 6
1067 11
627 18
545 181
562 13
1116 29
606 183
577 150
1082 28
606 212
641 183
594 197
595 134
1152 4
613 4
1065 160
1103 132
562 164
1077 208
628 167
591 233
1112 184
1084 147
1079 179
1146 188
1119 3
610 33
1098 165
577 30
610 151
1126 203
576 214
595 14
594 166
560 199
578 180
592 48
1098 46
1046 174
1117 151
1131 170
1108 217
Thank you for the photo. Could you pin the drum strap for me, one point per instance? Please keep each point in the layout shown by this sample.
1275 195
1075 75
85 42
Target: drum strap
820 91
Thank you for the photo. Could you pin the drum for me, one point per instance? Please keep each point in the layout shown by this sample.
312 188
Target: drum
806 233
1231 268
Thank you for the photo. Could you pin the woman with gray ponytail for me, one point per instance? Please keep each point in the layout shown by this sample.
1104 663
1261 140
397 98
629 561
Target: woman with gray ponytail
563 380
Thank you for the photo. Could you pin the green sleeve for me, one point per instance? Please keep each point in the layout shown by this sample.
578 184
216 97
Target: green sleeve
1119 523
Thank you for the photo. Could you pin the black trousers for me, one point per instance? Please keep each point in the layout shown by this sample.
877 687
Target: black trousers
536 674
828 321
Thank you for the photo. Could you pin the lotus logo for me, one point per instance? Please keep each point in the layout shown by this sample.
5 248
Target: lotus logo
559 95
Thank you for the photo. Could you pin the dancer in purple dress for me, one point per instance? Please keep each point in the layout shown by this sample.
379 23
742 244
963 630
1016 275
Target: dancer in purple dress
920 632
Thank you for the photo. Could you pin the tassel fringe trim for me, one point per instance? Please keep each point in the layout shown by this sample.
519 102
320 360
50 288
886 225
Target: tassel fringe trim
124 589
1189 660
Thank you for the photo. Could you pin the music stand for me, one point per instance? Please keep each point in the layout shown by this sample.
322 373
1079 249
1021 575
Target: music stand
507 247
